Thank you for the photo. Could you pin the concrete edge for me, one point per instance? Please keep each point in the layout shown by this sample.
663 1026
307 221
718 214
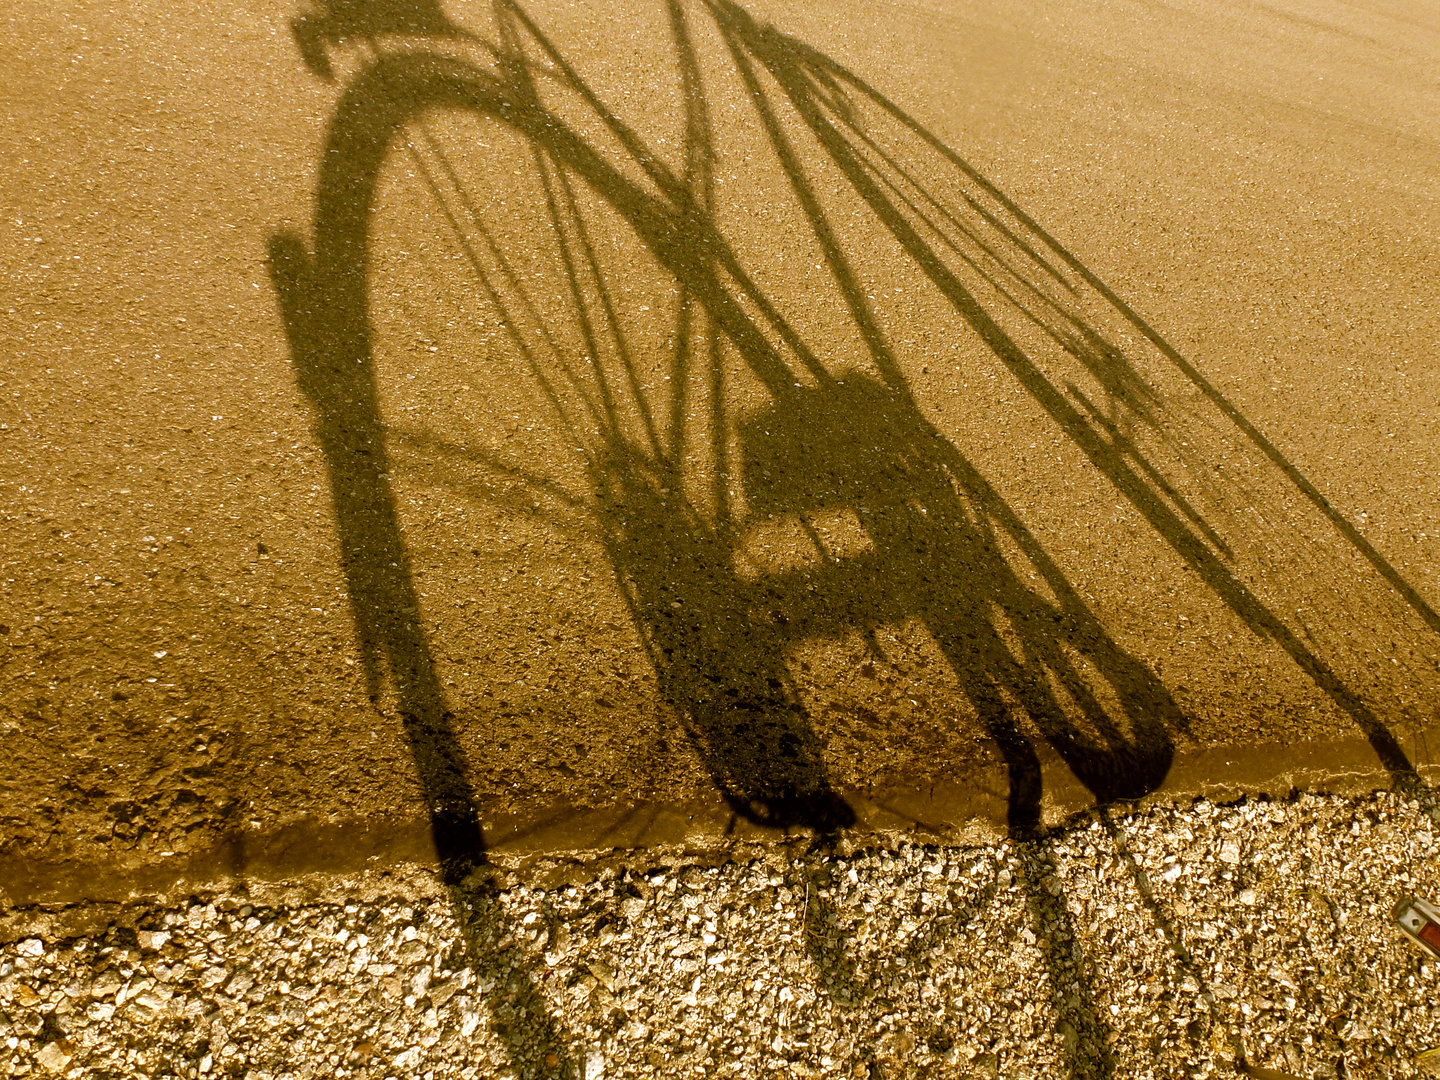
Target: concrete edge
554 843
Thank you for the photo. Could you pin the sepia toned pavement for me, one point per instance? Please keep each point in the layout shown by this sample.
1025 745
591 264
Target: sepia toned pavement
420 428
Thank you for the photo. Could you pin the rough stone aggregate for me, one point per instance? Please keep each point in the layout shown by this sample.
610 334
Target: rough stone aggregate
1164 942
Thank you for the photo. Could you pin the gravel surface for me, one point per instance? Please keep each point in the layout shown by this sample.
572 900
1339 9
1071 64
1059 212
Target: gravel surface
1167 942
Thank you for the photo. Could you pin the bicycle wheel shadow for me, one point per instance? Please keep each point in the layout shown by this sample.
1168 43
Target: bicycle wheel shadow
1035 663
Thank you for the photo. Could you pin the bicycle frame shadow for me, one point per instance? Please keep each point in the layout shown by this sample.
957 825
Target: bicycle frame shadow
1031 661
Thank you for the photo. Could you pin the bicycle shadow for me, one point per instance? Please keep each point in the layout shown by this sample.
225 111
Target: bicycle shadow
944 547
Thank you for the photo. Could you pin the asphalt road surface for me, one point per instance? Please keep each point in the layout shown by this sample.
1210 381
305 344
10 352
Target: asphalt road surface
439 414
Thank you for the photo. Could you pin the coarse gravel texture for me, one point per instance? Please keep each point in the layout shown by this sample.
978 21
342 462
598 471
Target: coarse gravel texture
1162 942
